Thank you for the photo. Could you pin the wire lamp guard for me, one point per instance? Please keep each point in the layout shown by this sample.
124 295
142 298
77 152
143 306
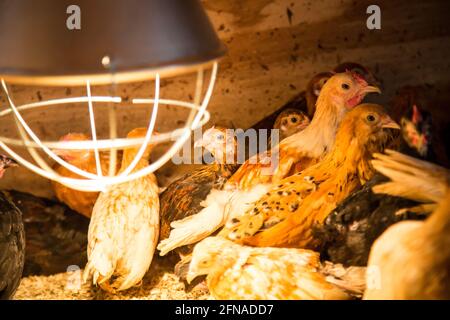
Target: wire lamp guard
151 57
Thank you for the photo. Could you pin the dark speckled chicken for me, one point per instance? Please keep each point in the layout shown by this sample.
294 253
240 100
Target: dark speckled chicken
12 242
290 121
350 230
183 197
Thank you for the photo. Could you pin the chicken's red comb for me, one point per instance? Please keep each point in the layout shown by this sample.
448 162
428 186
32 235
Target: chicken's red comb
358 78
416 116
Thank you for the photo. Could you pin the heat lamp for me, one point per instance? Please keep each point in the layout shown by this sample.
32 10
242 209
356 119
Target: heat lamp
116 42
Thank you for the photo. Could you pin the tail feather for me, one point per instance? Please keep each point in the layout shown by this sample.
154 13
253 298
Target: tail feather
240 222
411 178
197 227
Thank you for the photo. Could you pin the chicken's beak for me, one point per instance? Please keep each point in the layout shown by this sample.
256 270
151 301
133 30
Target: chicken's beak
389 123
371 89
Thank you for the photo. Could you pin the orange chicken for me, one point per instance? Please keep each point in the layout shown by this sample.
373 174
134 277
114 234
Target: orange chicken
284 217
80 201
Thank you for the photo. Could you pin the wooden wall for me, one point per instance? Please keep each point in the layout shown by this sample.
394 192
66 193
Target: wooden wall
274 47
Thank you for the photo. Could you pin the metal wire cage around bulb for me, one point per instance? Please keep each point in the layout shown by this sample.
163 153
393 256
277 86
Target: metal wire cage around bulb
114 42
98 181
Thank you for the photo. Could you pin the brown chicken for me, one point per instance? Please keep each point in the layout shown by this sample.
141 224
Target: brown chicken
428 100
124 227
80 201
183 197
284 217
239 272
411 259
253 179
301 102
289 122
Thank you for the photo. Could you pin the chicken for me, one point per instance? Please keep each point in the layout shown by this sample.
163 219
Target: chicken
428 101
301 102
252 180
12 241
316 84
239 272
313 89
285 216
290 121
411 259
6 163
56 237
182 197
350 230
80 201
124 227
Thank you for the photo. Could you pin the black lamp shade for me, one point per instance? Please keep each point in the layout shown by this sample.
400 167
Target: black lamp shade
140 37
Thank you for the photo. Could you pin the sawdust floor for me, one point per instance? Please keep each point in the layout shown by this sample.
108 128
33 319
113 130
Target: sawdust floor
159 283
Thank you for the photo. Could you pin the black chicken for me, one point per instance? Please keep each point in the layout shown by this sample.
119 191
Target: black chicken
12 241
56 237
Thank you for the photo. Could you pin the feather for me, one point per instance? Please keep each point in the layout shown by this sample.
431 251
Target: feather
411 178
285 216
240 272
218 206
124 228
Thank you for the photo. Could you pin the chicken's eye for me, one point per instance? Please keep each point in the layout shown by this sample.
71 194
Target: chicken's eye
345 86
370 118
294 119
